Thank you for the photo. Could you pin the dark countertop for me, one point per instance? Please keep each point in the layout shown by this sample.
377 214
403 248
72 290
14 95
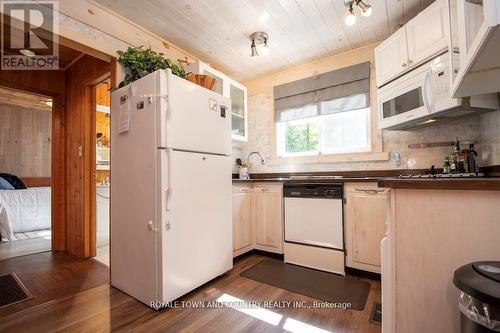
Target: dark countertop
484 183
308 181
480 183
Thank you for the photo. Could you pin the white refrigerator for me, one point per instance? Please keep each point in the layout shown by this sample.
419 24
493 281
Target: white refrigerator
171 221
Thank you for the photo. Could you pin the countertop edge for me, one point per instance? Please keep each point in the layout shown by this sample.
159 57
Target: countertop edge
492 183
486 183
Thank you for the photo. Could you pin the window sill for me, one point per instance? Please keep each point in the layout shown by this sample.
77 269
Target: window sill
332 158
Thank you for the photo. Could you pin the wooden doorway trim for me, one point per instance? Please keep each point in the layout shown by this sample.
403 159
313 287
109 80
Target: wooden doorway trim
93 170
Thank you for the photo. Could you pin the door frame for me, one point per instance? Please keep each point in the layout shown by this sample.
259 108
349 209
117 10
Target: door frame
93 169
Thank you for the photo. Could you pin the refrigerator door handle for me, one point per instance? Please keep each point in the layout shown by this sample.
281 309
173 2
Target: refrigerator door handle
168 191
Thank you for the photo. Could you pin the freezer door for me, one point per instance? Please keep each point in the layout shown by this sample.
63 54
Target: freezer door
197 231
198 119
134 193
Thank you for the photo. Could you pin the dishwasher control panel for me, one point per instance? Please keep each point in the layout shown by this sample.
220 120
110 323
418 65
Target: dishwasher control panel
313 191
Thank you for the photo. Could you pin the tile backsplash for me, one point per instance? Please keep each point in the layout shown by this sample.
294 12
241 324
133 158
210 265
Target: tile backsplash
483 129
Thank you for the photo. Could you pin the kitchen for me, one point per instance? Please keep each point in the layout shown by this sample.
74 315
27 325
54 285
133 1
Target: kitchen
364 174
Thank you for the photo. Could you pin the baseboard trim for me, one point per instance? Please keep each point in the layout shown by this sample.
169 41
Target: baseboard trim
361 273
279 256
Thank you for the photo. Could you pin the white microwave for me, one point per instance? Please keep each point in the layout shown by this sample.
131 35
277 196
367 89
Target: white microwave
423 96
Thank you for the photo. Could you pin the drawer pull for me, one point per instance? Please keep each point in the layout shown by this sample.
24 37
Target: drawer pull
369 191
244 190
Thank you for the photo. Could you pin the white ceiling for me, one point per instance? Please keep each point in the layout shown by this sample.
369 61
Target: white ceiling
300 31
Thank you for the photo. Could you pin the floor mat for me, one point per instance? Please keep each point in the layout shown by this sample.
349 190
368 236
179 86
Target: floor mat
376 316
310 282
12 290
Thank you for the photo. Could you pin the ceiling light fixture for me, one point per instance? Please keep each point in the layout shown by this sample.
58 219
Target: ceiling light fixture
259 43
27 52
47 102
254 49
365 9
350 19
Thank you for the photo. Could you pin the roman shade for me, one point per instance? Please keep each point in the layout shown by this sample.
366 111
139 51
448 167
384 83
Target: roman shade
341 90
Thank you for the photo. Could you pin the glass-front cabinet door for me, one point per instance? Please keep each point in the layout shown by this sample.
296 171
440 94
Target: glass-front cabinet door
237 93
219 85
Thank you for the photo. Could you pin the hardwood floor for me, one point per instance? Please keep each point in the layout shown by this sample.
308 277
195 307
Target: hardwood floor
104 309
52 275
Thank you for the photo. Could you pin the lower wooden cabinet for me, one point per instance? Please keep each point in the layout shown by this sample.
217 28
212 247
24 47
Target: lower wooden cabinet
257 217
243 219
365 217
269 217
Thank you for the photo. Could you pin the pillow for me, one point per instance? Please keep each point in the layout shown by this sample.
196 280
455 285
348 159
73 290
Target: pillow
14 181
5 185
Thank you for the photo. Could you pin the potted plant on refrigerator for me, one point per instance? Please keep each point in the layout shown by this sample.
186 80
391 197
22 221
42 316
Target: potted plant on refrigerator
139 62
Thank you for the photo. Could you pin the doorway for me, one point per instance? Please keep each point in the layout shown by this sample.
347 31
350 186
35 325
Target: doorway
25 172
102 174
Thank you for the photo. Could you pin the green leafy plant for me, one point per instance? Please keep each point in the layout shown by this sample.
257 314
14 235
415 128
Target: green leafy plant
139 62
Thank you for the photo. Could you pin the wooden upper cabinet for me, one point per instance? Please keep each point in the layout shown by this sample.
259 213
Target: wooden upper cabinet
269 218
428 34
422 38
391 57
365 220
243 219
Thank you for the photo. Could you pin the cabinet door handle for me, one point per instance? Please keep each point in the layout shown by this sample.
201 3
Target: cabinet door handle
410 62
404 64
264 189
369 191
244 190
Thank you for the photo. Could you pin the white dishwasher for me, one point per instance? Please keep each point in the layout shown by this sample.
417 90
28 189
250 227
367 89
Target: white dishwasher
314 232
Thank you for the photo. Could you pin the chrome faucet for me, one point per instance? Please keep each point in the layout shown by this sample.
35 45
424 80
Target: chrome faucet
262 161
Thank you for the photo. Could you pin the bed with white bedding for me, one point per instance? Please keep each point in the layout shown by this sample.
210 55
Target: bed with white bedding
24 210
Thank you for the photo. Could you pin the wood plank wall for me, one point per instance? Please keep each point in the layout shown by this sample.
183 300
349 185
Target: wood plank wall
78 133
49 83
25 141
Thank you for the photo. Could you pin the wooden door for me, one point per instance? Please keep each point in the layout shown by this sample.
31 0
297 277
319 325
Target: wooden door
243 219
427 34
391 57
269 218
366 215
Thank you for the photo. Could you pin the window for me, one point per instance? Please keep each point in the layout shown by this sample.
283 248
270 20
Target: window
327 113
336 133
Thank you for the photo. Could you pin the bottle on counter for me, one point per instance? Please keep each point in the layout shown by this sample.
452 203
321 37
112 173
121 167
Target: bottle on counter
458 157
472 159
465 154
446 165
453 165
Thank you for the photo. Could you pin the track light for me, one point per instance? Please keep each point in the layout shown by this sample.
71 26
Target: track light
350 19
264 50
259 43
365 9
254 49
